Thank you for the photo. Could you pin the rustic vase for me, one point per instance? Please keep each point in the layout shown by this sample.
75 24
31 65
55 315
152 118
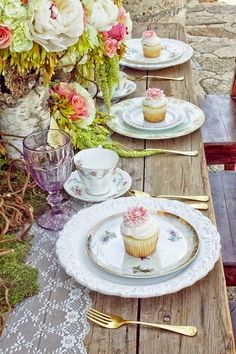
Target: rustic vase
30 114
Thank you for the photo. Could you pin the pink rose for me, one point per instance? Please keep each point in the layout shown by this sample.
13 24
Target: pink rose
154 93
111 46
63 89
122 16
5 36
117 32
149 34
80 106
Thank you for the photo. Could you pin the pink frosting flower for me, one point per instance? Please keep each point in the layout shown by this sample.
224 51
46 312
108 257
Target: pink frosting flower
149 34
63 89
154 93
136 215
5 36
80 106
111 46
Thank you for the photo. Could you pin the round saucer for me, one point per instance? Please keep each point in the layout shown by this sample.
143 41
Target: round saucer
121 183
128 88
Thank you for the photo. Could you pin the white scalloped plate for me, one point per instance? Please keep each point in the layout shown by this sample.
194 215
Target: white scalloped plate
183 52
194 119
72 254
171 50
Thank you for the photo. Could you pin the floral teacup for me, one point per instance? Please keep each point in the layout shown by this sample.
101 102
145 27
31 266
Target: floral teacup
96 168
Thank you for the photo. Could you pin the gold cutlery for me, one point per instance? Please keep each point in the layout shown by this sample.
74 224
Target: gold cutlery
198 198
113 321
175 152
157 77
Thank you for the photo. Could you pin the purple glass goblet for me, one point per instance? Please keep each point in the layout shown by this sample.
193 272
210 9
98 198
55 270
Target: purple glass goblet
49 158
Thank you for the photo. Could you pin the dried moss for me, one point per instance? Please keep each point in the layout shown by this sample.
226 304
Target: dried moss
20 278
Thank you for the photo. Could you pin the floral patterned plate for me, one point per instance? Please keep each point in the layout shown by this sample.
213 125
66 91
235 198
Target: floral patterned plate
194 119
129 88
177 246
174 116
121 183
174 53
73 256
171 49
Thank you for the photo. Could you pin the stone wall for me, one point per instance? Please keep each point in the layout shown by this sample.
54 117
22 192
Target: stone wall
156 10
211 29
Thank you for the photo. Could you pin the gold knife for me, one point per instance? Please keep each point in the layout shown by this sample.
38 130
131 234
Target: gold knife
198 198
157 77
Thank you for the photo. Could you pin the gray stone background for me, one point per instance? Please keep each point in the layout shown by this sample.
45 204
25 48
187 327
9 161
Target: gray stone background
211 29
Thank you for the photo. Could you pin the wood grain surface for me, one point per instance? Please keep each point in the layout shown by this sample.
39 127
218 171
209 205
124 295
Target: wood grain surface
223 186
205 304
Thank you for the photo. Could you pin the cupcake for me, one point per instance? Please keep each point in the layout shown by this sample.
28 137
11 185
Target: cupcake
154 105
151 44
139 230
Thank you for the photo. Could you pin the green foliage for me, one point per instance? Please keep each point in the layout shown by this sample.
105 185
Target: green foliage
37 60
97 134
21 279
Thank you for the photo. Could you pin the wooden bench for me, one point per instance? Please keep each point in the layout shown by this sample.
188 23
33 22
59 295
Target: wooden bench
219 136
223 188
219 130
232 306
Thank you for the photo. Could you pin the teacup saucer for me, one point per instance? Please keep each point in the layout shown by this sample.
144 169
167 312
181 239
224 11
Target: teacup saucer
128 88
121 183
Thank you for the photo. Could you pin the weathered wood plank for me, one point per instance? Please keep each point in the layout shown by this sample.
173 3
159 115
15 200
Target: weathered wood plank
223 188
232 306
220 125
204 304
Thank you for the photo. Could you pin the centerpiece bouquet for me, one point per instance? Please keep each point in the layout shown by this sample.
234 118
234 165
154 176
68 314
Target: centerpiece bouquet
85 38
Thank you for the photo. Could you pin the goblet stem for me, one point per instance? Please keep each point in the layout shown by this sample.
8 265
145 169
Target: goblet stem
54 200
58 215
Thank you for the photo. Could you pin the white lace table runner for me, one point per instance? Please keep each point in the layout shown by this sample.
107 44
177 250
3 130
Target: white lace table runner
53 321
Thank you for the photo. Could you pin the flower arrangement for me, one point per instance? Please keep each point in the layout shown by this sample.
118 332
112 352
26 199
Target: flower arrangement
84 37
73 110
72 102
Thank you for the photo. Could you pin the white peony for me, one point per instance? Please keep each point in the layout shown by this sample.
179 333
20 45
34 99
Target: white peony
104 15
57 24
129 25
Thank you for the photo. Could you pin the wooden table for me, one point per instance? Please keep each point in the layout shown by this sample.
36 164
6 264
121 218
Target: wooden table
204 304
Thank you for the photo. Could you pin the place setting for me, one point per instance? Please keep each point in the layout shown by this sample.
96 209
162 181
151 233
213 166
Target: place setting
138 246
155 116
151 52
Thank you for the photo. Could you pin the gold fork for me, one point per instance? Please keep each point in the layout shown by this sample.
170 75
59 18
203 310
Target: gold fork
157 77
113 321
197 198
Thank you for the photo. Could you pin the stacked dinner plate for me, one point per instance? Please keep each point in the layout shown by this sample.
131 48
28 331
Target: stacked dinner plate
173 52
182 118
91 249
